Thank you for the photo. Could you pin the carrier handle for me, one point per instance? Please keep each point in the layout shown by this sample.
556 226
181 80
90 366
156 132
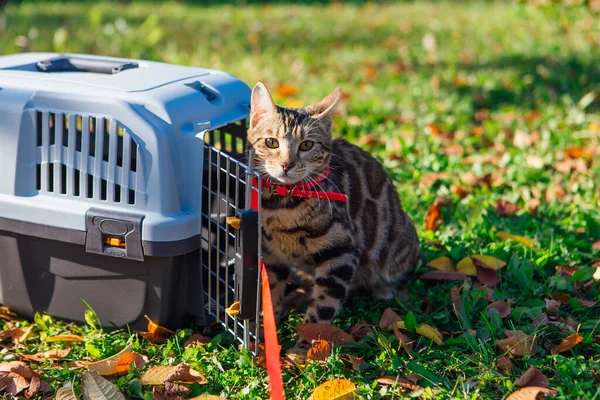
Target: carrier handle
80 64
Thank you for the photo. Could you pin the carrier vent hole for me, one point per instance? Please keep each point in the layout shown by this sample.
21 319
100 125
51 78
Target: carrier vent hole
103 187
76 183
51 177
133 156
52 122
38 127
90 186
92 136
38 177
105 149
120 133
63 178
65 130
117 198
78 132
131 199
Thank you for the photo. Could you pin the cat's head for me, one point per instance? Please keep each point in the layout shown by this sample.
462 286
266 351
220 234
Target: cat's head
291 145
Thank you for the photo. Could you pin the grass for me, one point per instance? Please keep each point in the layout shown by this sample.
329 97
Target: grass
444 94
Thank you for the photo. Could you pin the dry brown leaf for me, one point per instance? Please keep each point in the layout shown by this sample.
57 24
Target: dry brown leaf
171 391
433 218
552 306
399 381
531 393
533 377
504 365
20 335
403 341
319 351
505 208
336 389
152 338
95 387
517 343
562 297
358 364
486 276
66 393
503 308
555 192
285 90
361 330
45 355
329 333
566 271
172 373
196 340
8 315
442 264
456 299
567 343
596 245
64 338
16 376
444 276
586 303
388 318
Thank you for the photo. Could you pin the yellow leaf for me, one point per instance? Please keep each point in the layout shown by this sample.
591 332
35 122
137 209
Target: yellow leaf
234 222
65 338
425 330
158 330
520 239
442 263
467 266
567 343
233 309
336 389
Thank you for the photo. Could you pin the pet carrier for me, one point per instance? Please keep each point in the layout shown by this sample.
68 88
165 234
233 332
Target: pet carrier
117 178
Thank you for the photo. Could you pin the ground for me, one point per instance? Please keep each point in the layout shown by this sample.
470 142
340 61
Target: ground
471 107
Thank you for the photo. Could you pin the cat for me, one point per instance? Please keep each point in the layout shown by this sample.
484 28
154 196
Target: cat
366 244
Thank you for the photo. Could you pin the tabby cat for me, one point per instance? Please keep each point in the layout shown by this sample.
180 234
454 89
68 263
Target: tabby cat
366 244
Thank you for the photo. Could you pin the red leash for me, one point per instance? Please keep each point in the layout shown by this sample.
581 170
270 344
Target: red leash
271 343
301 190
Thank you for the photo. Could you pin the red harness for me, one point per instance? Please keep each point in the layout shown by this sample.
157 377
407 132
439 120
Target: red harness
301 190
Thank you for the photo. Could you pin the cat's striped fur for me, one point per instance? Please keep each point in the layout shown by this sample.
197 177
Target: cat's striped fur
368 244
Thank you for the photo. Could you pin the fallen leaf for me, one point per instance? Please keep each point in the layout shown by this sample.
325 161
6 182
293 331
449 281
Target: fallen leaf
388 318
171 391
444 276
566 271
567 343
488 277
8 315
456 299
555 192
158 330
358 364
319 351
519 239
503 308
489 292
95 387
336 389
16 376
172 373
284 90
504 365
64 338
596 245
403 340
329 333
398 381
531 393
442 264
196 340
533 377
562 297
552 306
586 303
36 386
505 208
45 355
425 330
360 331
66 393
116 364
467 264
517 343
433 218
20 335
434 129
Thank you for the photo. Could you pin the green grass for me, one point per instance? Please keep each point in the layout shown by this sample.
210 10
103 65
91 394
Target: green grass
481 73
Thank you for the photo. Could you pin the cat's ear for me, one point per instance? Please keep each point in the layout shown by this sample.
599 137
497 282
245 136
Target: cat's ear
325 107
260 104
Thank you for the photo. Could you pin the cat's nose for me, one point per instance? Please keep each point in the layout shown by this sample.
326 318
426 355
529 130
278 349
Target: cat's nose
287 166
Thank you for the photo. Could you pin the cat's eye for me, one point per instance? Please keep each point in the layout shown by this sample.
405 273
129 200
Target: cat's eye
272 143
306 145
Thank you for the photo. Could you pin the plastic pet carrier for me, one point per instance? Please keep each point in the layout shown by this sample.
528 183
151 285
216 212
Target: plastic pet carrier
117 177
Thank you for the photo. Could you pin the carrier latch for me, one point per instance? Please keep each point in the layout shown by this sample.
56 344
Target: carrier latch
114 234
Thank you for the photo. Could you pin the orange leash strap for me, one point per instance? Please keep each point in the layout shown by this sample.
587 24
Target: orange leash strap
271 342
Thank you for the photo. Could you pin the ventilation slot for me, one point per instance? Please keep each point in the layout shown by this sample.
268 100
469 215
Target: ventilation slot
86 156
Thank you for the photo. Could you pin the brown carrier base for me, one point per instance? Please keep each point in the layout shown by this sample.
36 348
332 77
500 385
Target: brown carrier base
55 277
